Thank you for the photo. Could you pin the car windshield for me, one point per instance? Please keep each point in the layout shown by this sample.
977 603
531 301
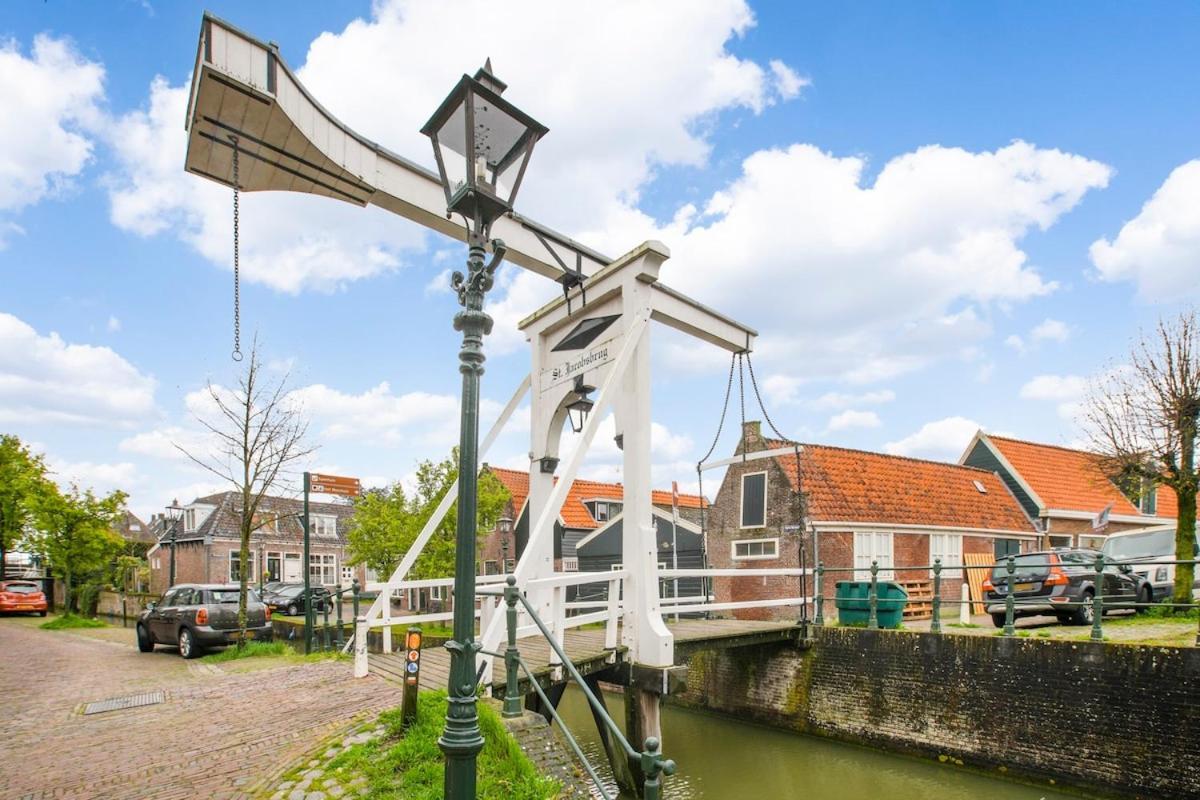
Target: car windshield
1078 559
22 588
1026 564
231 596
1160 544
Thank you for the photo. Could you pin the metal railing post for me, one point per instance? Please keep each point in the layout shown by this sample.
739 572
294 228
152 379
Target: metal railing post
653 765
820 582
512 700
873 598
1010 603
325 634
341 636
935 625
1098 601
356 590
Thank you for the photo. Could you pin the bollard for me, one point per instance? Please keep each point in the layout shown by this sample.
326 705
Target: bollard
412 678
653 765
1010 603
964 607
355 589
820 598
873 598
360 647
1098 601
512 697
935 626
341 635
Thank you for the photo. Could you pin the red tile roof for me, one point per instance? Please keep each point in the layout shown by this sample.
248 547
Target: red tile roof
574 513
858 486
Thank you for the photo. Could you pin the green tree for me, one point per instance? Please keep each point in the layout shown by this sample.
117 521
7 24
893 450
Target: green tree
74 532
1144 420
22 480
387 521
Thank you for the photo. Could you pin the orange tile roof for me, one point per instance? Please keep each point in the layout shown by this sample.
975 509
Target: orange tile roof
858 486
1063 478
574 513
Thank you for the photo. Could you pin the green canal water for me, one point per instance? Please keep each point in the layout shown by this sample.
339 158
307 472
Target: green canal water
723 759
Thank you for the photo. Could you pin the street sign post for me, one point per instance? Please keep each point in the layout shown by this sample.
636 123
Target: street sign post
412 677
326 484
336 484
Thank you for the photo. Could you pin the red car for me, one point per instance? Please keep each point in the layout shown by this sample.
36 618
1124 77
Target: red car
22 597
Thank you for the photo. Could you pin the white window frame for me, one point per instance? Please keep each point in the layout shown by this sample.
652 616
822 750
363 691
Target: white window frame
864 556
296 558
570 564
278 557
742 500
617 567
601 516
347 574
774 542
327 568
189 520
235 557
435 592
947 547
323 525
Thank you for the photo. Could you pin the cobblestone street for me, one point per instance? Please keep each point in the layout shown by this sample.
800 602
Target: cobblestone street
219 733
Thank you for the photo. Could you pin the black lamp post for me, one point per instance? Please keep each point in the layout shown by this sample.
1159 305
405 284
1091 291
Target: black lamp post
174 514
482 144
579 408
504 524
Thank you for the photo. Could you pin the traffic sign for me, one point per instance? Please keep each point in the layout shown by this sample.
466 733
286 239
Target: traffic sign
335 484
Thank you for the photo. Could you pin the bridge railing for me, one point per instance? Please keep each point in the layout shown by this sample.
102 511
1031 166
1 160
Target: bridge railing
651 760
1095 599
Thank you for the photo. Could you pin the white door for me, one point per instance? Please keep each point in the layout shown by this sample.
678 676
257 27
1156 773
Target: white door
873 546
291 568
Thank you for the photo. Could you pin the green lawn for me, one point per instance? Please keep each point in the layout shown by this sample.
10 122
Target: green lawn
68 621
409 765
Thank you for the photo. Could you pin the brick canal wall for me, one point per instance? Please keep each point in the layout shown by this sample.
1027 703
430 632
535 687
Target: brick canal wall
1120 719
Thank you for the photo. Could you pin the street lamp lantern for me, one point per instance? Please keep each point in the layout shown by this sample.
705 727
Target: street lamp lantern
579 408
482 144
174 514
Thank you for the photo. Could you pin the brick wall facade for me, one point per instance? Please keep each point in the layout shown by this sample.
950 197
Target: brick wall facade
197 562
1115 718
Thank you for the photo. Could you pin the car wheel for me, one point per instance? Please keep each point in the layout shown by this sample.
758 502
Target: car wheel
187 644
41 613
1145 598
998 620
1086 613
145 643
292 610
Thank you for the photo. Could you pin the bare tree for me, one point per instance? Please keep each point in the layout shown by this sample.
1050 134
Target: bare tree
259 436
1142 419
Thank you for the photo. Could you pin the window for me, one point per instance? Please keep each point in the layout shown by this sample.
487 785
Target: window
189 519
347 575
873 546
323 525
157 563
947 547
322 568
570 564
617 567
1003 548
235 567
274 570
510 564
754 549
435 592
292 568
601 514
491 567
1148 501
754 500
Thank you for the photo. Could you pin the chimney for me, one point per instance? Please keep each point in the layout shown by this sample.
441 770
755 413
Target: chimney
752 432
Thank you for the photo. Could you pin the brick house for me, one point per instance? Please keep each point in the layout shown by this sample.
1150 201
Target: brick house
208 543
859 507
591 506
1066 491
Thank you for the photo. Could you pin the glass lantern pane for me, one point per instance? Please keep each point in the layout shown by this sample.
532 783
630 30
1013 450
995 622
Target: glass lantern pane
452 147
496 134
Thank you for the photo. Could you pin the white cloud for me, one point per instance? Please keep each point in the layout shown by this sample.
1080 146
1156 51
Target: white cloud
44 379
113 325
854 419
51 98
1159 249
787 82
1015 342
662 64
1066 391
100 477
1050 330
164 443
942 439
905 266
380 415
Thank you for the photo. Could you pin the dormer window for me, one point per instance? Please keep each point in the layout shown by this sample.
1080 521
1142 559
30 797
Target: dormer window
189 519
324 525
601 514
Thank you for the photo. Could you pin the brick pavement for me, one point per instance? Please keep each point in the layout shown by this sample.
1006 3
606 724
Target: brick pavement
217 735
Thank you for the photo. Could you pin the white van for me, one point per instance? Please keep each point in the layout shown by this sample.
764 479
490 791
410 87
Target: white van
1148 545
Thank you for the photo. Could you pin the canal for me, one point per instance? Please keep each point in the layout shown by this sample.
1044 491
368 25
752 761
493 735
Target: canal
723 759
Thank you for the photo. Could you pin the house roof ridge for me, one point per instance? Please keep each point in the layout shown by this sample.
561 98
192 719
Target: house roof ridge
1031 443
877 454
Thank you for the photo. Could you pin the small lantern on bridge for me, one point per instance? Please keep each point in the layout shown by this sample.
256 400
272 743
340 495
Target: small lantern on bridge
579 408
482 144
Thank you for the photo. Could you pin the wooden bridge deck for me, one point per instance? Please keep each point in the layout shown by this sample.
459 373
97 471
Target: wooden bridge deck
587 653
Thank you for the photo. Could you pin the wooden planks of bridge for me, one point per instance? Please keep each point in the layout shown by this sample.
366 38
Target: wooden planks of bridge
586 650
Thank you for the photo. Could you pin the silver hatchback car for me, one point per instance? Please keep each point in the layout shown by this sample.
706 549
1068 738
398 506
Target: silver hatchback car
196 616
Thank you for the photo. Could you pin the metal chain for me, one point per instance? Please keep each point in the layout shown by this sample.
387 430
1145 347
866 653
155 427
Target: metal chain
237 288
761 407
724 410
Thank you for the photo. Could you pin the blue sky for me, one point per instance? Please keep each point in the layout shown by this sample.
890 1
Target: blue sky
939 215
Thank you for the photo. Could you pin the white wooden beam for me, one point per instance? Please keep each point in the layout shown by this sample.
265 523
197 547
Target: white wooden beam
724 462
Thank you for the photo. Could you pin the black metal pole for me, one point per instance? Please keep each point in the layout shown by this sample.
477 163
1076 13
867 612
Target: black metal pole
174 535
462 740
308 609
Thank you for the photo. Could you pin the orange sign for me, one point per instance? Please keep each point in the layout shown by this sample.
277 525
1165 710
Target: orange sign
334 484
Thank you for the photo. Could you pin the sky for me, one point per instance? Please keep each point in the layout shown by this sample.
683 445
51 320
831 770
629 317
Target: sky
940 217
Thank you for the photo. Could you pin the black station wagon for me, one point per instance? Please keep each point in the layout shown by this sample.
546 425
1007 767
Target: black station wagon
1061 583
193 617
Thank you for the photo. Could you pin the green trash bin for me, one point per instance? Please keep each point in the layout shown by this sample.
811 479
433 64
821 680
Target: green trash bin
853 602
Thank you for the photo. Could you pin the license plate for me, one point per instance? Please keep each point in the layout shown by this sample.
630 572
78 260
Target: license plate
1024 587
251 634
24 608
